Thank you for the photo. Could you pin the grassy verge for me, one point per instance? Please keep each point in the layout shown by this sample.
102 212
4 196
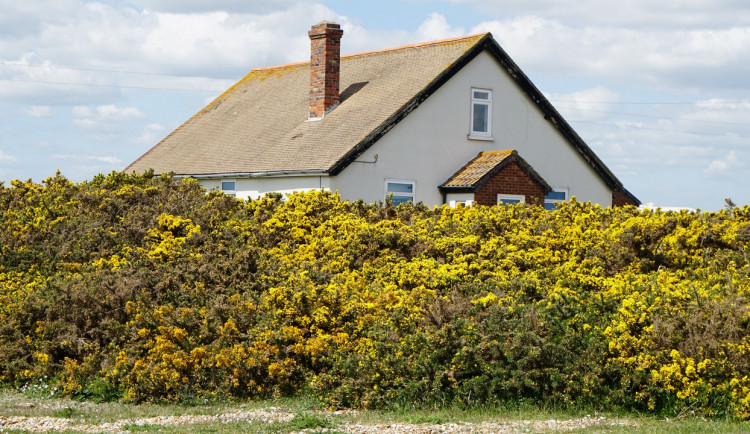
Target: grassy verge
304 415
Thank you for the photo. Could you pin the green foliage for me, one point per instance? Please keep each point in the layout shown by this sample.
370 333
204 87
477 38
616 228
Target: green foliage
143 288
309 421
66 413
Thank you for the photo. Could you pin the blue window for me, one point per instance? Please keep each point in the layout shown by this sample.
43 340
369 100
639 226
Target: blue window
402 191
509 199
554 197
229 187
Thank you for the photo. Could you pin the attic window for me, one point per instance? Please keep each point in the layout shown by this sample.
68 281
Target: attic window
481 114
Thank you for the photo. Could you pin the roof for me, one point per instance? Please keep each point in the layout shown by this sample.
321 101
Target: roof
473 175
260 125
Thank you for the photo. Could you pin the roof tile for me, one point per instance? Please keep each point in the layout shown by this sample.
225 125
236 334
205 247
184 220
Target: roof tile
476 169
260 124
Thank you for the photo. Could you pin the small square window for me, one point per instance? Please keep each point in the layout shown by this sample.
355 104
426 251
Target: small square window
402 191
229 187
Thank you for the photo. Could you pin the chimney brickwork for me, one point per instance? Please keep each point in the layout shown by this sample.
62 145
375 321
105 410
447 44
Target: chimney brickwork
325 58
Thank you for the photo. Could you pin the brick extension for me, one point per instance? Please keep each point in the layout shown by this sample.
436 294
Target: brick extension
510 180
325 60
619 198
497 172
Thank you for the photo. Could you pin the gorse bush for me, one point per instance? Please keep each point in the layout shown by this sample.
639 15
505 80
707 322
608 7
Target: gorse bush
143 288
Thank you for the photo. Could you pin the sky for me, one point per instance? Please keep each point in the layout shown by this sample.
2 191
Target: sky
660 90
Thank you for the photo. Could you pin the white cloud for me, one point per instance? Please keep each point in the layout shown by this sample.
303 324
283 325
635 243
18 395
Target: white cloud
151 134
587 104
236 41
104 116
6 158
110 112
39 111
109 160
236 6
723 167
632 13
662 56
437 27
81 111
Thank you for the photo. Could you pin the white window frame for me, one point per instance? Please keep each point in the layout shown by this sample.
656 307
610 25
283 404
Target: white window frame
515 197
413 193
231 192
553 202
467 203
486 102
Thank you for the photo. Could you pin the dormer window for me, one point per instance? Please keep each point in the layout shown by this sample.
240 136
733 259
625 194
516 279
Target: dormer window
481 114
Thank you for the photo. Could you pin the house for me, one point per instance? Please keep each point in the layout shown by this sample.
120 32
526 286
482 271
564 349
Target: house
443 122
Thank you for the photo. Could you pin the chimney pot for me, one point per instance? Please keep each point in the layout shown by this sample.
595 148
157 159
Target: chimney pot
325 58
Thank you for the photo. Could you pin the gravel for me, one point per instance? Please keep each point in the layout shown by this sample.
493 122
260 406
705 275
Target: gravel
273 415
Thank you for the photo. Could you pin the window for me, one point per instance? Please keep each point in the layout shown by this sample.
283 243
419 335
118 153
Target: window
508 199
554 197
455 203
403 191
481 114
229 187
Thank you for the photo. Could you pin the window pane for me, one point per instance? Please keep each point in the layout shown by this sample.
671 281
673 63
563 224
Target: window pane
400 199
555 195
479 123
228 185
509 201
400 187
481 95
550 205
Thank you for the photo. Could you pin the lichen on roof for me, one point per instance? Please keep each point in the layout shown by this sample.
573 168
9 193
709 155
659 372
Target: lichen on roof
477 168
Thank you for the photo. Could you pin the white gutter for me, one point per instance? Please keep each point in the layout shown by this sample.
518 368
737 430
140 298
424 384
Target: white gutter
275 174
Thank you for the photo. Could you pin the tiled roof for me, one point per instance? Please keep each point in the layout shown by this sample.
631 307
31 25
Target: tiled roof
486 165
477 168
260 124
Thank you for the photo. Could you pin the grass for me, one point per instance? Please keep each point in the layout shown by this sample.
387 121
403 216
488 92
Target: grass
308 416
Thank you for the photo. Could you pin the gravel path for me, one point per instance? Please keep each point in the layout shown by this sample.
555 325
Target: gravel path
272 415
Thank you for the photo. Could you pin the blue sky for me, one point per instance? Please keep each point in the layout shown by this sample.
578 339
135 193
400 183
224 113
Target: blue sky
659 90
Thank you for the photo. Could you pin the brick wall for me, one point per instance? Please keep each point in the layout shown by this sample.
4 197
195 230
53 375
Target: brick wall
510 180
325 58
621 199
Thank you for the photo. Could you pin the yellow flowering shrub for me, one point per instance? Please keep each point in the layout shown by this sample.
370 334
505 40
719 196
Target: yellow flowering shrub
143 288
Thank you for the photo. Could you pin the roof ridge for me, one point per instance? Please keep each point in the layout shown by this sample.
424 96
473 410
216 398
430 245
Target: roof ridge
418 45
382 50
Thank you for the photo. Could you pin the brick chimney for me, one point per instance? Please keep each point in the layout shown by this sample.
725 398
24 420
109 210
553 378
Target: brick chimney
325 57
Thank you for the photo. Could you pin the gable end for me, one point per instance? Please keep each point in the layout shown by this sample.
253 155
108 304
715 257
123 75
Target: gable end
410 106
535 95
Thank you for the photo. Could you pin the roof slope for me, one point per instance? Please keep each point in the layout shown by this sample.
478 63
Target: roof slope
260 124
474 174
